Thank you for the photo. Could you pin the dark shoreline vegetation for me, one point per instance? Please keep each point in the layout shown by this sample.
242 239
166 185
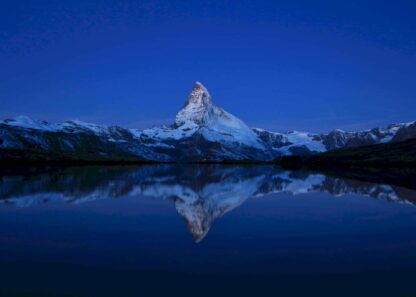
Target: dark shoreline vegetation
401 177
386 155
404 177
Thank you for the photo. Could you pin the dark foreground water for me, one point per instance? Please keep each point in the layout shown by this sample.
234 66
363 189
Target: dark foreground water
203 230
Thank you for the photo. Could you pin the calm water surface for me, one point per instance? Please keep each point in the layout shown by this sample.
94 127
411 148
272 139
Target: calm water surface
203 230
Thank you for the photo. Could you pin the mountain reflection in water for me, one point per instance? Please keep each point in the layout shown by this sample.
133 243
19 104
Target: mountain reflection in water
201 193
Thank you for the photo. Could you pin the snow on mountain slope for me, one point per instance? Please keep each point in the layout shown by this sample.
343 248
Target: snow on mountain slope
111 133
164 133
28 123
301 143
339 138
293 142
80 126
72 126
310 141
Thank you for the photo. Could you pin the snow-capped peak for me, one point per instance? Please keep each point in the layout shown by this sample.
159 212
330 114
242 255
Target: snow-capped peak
199 95
68 126
214 123
197 106
77 125
28 123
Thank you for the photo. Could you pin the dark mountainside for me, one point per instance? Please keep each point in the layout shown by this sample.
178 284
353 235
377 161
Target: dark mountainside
394 154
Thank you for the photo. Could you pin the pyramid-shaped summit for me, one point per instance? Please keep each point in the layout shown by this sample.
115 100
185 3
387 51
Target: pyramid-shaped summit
199 95
197 107
212 122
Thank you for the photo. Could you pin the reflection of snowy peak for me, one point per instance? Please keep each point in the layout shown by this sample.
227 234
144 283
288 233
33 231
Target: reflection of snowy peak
201 194
215 200
201 132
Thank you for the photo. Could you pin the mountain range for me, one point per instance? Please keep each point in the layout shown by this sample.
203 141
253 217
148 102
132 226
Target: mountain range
201 132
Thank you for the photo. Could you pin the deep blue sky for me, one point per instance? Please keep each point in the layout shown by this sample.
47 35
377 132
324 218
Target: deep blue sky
280 65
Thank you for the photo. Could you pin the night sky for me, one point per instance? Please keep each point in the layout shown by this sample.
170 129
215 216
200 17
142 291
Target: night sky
279 65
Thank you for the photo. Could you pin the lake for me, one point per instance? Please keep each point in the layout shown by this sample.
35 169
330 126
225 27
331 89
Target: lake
204 230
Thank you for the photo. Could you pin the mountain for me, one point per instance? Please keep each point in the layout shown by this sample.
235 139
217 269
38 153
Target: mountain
391 154
201 132
302 143
201 194
205 132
